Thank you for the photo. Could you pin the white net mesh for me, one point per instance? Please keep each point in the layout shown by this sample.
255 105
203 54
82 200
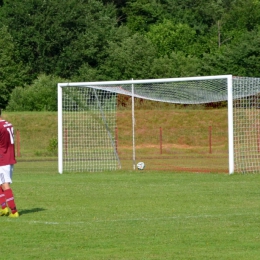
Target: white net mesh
178 92
246 116
89 116
88 130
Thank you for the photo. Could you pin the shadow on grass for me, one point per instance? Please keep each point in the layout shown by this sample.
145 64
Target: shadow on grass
28 211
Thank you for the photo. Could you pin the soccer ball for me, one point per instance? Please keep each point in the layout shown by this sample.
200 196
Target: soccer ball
140 165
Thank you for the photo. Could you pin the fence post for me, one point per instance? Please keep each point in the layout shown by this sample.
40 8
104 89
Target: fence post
160 140
210 141
258 138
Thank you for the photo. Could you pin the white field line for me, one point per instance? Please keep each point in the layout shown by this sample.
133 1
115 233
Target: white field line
96 220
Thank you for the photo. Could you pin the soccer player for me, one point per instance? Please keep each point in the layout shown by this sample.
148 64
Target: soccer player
7 161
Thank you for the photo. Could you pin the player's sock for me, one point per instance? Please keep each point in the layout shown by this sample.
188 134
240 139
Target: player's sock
10 200
2 199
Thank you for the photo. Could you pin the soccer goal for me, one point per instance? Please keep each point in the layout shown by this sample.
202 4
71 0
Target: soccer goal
87 117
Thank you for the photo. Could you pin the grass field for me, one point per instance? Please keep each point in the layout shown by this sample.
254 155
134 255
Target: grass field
131 215
163 212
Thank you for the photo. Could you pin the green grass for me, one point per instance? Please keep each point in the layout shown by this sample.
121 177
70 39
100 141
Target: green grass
158 213
36 129
131 215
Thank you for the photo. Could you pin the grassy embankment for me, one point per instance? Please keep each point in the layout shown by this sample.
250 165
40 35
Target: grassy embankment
184 134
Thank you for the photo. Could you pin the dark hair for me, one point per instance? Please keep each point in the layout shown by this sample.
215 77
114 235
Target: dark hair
0 111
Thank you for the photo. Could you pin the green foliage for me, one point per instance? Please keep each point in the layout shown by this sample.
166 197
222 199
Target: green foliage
239 58
169 37
56 37
10 72
244 55
113 40
142 13
53 146
129 58
199 15
175 65
243 16
103 70
41 95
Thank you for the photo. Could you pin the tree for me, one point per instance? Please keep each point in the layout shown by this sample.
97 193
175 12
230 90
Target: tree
126 59
169 37
243 56
11 73
243 16
56 36
199 15
41 95
239 58
177 64
140 14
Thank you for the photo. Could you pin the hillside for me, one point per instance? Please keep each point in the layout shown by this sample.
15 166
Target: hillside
169 134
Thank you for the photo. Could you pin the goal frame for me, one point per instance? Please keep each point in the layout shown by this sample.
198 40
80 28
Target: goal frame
132 82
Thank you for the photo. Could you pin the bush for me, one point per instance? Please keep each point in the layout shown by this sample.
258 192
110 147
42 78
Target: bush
53 146
40 96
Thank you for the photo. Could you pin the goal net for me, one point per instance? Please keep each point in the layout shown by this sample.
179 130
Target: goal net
87 137
246 124
88 123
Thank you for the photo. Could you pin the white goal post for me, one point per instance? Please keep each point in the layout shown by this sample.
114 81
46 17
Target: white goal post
87 112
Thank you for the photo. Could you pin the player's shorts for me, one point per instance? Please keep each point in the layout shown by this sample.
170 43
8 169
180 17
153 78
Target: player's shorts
6 174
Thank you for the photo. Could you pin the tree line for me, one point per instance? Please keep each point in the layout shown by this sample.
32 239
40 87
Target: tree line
48 41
